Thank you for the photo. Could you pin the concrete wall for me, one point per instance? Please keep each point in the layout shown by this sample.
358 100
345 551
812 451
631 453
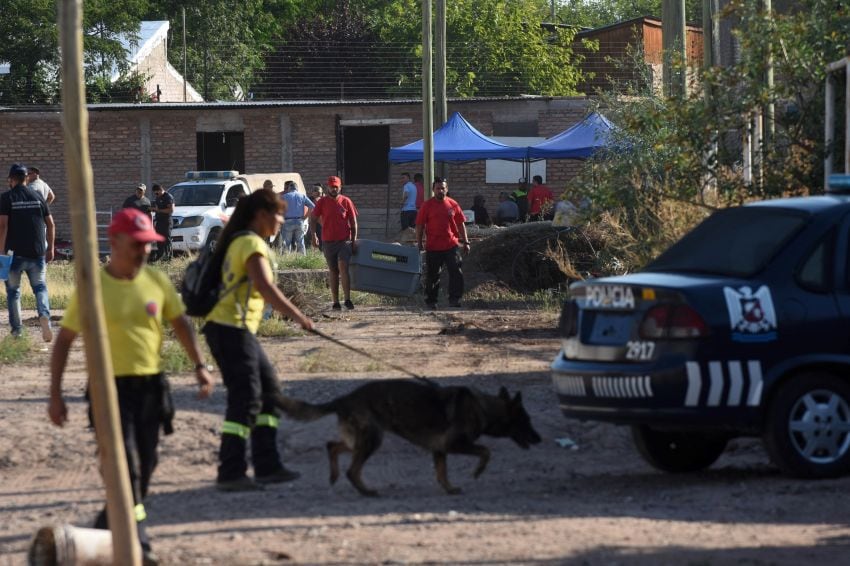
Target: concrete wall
157 143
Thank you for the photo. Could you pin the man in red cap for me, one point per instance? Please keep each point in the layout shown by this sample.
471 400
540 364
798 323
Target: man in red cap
337 216
137 300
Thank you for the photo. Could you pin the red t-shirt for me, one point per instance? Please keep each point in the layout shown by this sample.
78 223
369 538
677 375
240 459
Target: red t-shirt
336 216
440 219
420 194
539 195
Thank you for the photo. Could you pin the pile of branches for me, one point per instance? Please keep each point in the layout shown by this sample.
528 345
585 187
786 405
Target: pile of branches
534 256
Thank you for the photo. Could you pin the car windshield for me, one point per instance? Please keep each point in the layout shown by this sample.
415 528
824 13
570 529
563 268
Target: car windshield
736 242
196 195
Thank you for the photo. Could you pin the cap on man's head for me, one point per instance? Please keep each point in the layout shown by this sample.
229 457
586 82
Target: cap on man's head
134 223
334 181
18 169
141 187
35 170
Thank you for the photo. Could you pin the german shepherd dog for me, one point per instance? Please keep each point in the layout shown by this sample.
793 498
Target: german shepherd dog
443 420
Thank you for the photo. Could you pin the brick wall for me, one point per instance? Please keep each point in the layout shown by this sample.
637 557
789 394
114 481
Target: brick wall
157 143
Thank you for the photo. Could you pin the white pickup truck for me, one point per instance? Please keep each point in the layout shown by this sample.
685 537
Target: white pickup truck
206 199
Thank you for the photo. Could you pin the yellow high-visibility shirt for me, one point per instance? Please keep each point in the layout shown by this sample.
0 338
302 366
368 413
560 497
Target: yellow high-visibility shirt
135 312
242 306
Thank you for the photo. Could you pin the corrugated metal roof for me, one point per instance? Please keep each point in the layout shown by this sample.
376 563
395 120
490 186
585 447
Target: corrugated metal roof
240 105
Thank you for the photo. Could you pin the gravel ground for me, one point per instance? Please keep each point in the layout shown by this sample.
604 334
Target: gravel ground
594 503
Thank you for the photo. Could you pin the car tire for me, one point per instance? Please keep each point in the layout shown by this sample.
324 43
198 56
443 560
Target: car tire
212 240
678 452
807 432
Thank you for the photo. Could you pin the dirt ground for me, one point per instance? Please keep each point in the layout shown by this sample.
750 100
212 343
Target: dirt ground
597 503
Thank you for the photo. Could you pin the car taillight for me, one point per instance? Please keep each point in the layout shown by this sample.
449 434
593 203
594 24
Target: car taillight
569 319
672 321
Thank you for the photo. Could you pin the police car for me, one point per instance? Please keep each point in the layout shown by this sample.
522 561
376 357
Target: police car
742 328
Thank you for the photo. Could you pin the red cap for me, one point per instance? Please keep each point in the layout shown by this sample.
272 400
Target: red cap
334 181
134 223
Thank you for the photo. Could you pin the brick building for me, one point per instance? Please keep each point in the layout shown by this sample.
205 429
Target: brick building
151 143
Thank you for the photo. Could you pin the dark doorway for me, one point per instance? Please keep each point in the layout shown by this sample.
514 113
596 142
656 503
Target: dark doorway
364 154
221 151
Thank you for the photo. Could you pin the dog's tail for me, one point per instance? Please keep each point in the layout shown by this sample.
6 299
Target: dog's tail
300 410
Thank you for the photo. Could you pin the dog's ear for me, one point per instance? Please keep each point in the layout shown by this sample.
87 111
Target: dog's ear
517 398
503 394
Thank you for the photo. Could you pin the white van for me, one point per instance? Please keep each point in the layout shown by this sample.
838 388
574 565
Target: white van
206 199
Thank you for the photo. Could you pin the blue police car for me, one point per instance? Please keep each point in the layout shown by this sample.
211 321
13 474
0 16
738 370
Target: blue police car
742 328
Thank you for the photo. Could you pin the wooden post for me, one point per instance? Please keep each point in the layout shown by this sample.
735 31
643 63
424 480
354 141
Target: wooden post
119 501
427 101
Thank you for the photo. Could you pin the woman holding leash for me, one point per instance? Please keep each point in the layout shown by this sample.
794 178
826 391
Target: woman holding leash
230 331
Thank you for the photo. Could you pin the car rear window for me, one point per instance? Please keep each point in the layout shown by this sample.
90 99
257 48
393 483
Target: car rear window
736 242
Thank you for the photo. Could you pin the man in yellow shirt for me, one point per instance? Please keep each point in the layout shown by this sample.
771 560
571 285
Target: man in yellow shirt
138 300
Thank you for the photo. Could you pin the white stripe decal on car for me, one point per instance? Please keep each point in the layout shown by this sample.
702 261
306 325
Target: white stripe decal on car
754 368
694 384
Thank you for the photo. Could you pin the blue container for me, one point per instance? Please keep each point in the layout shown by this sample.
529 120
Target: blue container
385 269
5 265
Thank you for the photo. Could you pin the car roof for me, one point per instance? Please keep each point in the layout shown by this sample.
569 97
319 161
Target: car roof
812 205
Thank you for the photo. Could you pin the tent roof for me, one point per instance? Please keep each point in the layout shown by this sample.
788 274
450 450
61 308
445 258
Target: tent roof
579 141
457 140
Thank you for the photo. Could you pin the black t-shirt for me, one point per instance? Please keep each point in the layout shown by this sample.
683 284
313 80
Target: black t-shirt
26 209
164 201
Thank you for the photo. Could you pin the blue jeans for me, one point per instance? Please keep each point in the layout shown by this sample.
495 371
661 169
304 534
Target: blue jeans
35 270
292 232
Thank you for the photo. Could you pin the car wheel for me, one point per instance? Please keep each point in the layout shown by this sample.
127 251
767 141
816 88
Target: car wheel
212 240
807 433
678 452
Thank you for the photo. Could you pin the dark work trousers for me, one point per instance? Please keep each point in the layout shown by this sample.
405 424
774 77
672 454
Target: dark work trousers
163 228
434 264
248 376
139 404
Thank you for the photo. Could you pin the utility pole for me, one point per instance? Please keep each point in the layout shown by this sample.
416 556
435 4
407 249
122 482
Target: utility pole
710 58
770 109
673 43
442 102
427 101
185 98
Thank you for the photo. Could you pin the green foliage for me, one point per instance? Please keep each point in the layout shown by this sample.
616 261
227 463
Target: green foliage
226 40
596 14
500 43
666 146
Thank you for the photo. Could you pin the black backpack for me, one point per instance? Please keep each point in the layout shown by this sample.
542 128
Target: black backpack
202 286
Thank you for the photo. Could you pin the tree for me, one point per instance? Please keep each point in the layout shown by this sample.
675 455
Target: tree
596 13
666 144
32 46
226 40
494 47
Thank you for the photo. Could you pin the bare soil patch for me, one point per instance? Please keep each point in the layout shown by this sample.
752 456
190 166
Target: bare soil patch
596 504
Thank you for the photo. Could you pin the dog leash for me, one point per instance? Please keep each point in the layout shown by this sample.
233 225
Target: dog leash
370 356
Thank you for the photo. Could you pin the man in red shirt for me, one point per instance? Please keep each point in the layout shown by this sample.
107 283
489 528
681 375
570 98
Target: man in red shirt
538 199
337 216
441 220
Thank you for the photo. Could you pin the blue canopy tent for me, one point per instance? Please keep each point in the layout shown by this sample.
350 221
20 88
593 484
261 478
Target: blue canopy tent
456 140
579 141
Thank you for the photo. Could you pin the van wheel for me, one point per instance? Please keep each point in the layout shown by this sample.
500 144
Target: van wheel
212 240
807 433
678 452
